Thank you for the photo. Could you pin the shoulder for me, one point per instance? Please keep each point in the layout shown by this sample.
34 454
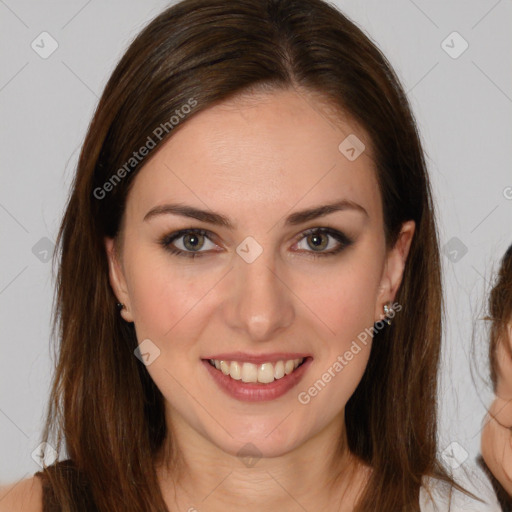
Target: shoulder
22 496
439 496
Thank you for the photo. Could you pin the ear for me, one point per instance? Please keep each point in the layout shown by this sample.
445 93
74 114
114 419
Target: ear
394 268
117 279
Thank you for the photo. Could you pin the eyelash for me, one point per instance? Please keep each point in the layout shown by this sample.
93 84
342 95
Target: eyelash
166 241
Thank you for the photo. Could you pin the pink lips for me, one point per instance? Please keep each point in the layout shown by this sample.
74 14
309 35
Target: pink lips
257 392
257 358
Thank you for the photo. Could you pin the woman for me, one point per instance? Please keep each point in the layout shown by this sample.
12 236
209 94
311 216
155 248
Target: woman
252 193
496 435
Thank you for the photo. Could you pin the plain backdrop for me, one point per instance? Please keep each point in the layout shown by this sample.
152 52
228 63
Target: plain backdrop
462 100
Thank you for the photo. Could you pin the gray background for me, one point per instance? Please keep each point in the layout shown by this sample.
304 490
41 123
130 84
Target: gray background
463 107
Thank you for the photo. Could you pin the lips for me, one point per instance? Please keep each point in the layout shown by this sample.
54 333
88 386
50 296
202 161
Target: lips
257 378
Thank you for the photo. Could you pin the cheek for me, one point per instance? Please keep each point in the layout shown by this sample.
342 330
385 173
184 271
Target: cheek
502 410
162 294
346 304
345 298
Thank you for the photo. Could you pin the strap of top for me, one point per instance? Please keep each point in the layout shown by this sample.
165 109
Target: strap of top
78 490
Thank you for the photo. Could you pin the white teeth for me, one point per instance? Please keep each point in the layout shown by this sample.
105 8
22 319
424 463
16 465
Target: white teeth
250 372
235 371
266 373
224 367
279 370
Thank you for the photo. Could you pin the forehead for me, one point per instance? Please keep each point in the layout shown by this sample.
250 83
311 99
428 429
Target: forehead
260 152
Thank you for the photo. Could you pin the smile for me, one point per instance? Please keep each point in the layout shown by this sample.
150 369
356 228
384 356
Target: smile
263 373
261 379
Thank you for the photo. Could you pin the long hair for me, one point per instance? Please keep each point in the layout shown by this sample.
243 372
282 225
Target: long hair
103 403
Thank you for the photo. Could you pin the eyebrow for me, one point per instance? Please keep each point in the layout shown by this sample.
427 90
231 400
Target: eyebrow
218 219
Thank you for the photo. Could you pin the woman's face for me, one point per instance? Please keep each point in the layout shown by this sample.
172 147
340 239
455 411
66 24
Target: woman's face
262 289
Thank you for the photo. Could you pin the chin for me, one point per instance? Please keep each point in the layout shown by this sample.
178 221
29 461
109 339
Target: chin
270 437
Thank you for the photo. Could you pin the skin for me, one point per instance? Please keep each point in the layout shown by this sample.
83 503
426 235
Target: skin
23 496
256 160
496 442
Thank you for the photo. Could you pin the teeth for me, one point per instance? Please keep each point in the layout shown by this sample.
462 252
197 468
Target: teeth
266 373
250 372
224 367
235 371
279 370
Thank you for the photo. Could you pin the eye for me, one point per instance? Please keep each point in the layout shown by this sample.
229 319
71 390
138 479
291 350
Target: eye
318 240
190 240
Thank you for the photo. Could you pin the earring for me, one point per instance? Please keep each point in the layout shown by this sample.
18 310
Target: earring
120 306
387 310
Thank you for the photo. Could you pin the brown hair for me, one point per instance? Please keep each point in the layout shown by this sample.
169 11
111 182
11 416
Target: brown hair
500 312
103 402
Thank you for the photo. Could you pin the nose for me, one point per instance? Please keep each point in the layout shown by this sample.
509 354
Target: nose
260 303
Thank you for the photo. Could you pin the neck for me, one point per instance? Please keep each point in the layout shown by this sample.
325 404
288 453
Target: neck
320 474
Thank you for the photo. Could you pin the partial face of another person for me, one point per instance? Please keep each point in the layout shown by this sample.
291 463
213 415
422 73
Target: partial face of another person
497 432
281 298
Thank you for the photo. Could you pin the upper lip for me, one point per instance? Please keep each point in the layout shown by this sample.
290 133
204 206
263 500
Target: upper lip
258 358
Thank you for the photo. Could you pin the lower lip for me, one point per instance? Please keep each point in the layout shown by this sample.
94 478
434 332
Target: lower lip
257 392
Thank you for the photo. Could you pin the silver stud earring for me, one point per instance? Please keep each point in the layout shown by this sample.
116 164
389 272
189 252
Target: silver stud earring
387 311
120 305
